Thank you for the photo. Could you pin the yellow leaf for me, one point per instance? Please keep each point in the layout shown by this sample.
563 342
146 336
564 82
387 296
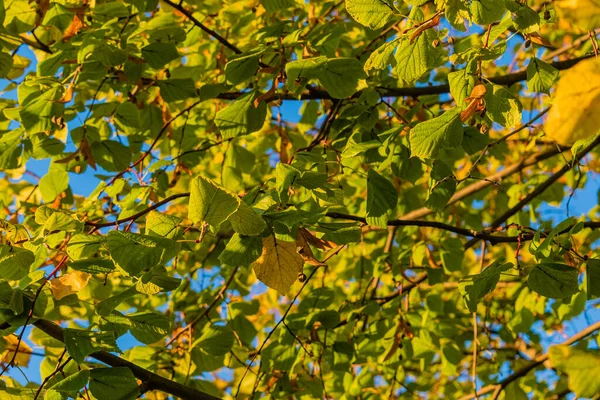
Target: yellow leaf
68 284
574 114
10 345
584 14
279 264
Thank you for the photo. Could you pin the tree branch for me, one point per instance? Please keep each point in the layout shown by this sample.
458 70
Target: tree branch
320 94
137 215
151 380
156 139
541 188
200 25
493 239
498 387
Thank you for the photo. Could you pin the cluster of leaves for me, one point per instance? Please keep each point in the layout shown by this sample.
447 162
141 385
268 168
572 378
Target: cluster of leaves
389 242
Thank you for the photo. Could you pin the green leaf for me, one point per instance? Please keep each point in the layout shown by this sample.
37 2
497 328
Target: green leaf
209 203
11 148
373 14
341 77
247 222
382 198
135 253
340 232
277 5
177 89
72 383
11 299
93 266
582 367
428 138
6 64
116 383
540 76
240 117
592 271
241 250
502 107
456 12
381 57
111 155
215 340
127 115
554 280
526 19
214 205
486 11
105 307
53 183
461 85
163 225
160 54
15 262
440 194
149 327
83 245
474 287
56 219
156 281
81 343
242 67
414 60
473 141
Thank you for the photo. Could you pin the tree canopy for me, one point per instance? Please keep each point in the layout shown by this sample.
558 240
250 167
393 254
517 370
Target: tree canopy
299 199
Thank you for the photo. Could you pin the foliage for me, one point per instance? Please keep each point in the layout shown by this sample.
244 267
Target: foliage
317 199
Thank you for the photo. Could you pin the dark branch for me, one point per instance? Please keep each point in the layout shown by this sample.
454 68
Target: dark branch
200 25
319 93
151 380
138 214
498 387
541 188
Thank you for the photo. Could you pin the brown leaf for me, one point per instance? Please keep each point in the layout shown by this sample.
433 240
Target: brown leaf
423 27
539 40
478 92
315 241
86 152
74 27
68 95
305 251
468 112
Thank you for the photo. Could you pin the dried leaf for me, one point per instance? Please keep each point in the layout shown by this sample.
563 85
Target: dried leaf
423 27
74 28
305 251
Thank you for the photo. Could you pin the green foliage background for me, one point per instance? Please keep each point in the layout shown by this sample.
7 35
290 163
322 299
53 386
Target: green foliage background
396 225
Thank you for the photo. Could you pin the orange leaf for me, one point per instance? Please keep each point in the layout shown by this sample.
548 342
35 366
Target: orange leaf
74 28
